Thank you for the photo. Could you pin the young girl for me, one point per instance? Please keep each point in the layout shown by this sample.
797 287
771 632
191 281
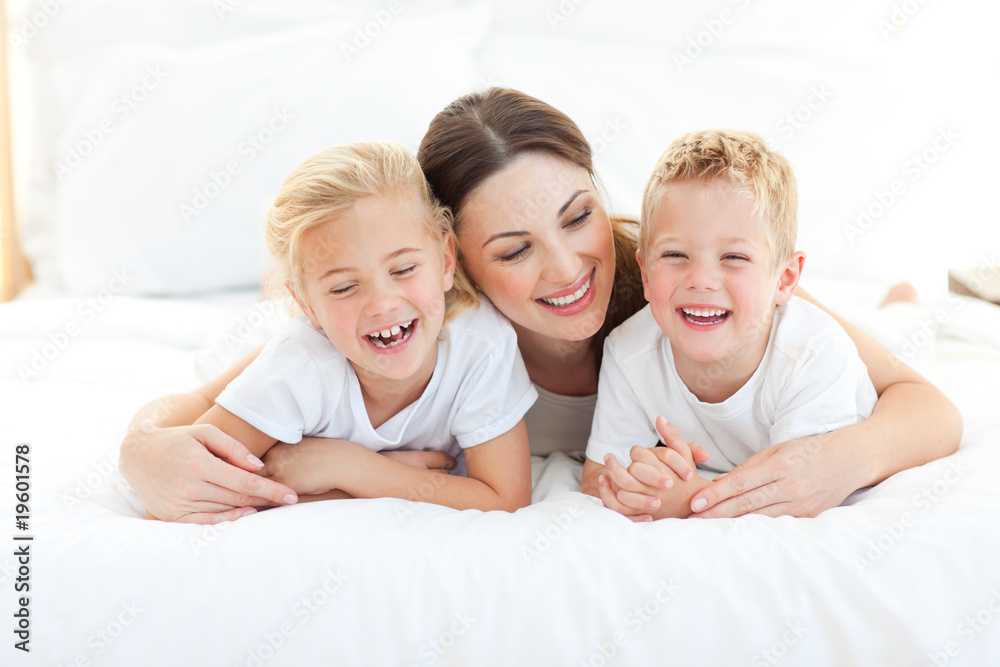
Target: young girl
379 360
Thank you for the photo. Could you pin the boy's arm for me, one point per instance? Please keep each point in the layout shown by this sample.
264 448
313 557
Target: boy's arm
912 423
499 473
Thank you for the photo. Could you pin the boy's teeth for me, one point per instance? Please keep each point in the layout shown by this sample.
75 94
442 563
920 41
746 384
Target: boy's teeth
704 312
570 298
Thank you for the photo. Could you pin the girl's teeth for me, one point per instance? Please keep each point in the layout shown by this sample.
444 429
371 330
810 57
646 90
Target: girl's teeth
570 298
393 331
384 337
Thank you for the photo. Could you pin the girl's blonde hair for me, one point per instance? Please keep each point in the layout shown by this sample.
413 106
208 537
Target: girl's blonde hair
329 182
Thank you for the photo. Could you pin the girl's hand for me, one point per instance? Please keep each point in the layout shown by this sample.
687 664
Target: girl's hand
798 478
197 474
307 466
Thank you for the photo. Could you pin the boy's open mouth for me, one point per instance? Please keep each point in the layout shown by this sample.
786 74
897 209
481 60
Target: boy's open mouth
393 336
705 316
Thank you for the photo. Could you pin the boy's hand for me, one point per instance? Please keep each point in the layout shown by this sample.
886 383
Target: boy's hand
642 492
436 461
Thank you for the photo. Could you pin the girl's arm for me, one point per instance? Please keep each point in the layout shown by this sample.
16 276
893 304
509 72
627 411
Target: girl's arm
912 423
192 473
499 473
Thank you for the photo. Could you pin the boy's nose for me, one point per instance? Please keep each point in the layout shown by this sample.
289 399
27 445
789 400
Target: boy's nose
700 276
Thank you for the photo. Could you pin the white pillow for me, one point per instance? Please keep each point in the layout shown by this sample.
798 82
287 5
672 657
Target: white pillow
171 151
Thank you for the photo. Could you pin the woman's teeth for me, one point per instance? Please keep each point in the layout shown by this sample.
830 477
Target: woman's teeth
392 336
560 301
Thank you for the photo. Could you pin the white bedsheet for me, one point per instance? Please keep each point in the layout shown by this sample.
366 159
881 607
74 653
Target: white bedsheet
903 574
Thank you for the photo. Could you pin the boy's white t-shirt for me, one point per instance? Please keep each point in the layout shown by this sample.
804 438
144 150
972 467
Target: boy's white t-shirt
301 385
809 381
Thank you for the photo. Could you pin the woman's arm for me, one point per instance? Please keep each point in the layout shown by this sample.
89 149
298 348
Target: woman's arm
194 473
499 473
912 423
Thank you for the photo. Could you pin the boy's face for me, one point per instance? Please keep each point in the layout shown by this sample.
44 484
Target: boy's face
707 275
373 279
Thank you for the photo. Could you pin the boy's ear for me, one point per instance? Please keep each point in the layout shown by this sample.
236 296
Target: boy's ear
788 278
645 278
303 305
449 261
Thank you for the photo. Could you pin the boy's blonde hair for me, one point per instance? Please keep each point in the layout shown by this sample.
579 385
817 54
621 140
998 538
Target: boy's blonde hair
329 182
741 159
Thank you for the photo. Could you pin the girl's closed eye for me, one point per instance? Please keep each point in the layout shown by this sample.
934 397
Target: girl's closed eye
342 289
404 270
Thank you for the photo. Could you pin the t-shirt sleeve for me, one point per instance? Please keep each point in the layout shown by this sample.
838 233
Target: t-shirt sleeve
495 394
619 419
279 393
828 388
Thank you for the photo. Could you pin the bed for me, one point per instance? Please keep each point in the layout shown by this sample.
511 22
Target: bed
147 264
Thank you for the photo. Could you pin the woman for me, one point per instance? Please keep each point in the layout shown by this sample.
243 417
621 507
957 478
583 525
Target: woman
535 239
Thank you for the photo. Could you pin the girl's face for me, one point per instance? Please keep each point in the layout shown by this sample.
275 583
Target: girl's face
373 279
536 240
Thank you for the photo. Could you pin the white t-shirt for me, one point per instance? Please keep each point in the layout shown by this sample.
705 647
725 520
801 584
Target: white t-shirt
809 381
301 385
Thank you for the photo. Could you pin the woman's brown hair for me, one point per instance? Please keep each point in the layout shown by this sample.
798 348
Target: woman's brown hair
481 133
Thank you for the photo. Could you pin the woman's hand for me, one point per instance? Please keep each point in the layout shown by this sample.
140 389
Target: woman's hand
196 474
798 478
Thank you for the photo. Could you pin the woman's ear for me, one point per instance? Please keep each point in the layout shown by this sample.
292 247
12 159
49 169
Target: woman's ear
788 278
449 261
303 305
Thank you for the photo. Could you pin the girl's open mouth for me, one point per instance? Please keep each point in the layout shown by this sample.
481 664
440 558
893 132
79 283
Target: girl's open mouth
393 336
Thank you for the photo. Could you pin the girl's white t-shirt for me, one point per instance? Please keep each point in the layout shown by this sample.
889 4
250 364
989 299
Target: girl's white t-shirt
301 385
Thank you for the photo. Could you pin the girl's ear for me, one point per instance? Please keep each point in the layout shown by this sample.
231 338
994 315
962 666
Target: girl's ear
788 278
303 305
449 261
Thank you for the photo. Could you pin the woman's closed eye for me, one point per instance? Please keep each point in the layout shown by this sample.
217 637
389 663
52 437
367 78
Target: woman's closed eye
580 220
516 254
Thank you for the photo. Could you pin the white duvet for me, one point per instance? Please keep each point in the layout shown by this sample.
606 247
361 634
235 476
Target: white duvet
903 574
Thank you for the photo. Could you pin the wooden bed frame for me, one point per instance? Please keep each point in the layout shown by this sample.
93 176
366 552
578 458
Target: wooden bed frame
16 271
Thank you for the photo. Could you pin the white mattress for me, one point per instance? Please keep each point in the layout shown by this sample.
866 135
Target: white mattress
903 574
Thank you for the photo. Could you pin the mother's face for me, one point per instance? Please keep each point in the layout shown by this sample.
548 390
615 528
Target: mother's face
537 241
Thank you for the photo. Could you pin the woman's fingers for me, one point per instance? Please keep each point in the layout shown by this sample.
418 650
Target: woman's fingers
239 488
212 518
227 448
746 488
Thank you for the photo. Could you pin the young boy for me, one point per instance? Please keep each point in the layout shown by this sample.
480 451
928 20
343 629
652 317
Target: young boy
724 350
